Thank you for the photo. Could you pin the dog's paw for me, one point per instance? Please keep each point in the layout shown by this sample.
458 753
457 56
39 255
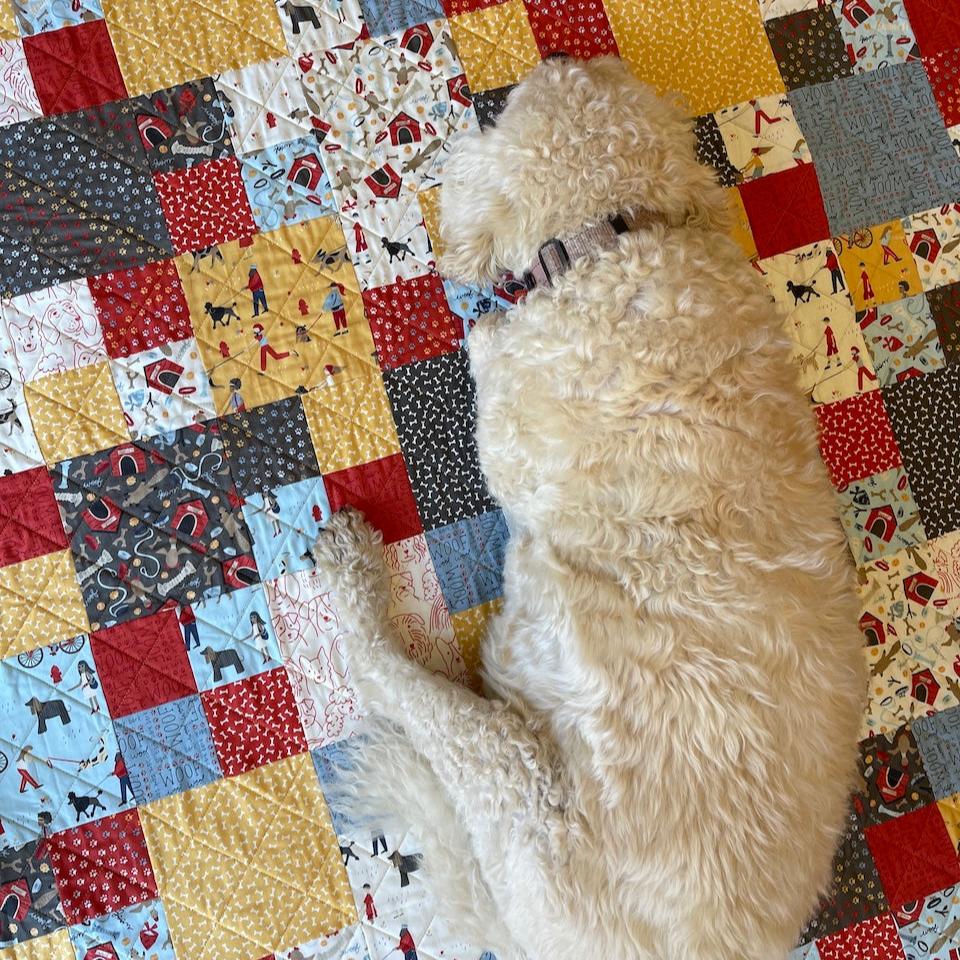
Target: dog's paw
349 551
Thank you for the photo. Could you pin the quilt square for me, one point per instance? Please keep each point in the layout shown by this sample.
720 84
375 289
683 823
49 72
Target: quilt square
937 26
944 303
880 128
233 637
204 205
917 408
286 183
495 44
880 516
101 867
18 96
785 210
903 339
809 47
254 722
381 490
29 519
140 928
38 16
27 877
350 422
141 308
809 286
74 67
167 749
856 894
388 16
312 25
874 939
53 330
163 389
856 439
310 634
277 314
76 412
933 237
264 104
411 320
928 929
276 814
269 446
894 779
153 522
938 737
142 663
468 557
48 237
879 265
914 855
39 598
579 29
183 125
285 522
876 37
433 405
57 740
155 50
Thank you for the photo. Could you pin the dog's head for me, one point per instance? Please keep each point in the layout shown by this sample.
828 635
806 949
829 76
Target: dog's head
577 140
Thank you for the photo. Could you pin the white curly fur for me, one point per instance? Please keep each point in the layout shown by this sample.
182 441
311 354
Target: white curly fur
675 681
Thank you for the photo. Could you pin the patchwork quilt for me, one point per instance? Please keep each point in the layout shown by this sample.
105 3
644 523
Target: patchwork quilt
221 321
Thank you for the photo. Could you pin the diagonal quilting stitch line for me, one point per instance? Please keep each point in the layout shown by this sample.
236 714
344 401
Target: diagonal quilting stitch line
352 416
276 553
33 604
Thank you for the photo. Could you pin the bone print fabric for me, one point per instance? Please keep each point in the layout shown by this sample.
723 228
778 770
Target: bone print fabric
221 320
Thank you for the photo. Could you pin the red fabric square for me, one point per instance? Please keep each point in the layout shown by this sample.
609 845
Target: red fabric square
30 523
74 67
254 722
102 866
785 210
205 204
943 70
874 939
914 855
856 439
141 308
142 663
411 320
577 27
381 489
936 24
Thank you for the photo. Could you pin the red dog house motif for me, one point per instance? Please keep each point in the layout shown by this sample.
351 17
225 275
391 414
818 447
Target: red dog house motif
102 515
127 461
873 630
919 588
163 375
240 572
102 951
384 182
459 91
881 523
15 899
306 172
924 686
153 130
418 40
403 129
190 518
926 245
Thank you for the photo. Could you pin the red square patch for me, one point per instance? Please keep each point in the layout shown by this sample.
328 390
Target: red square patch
785 210
577 27
254 722
411 320
874 939
142 663
141 308
102 866
856 439
205 205
30 523
381 489
936 24
914 855
74 67
943 70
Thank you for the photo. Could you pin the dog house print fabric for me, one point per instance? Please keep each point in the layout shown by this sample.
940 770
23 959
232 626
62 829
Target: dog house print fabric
221 320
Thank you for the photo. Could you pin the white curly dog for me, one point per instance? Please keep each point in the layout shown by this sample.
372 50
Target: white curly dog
664 760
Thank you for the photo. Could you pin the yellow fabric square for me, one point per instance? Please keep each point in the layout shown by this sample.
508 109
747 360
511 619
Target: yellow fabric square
293 346
496 45
76 412
54 946
469 627
712 52
430 208
950 812
248 865
40 602
160 43
350 422
878 265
